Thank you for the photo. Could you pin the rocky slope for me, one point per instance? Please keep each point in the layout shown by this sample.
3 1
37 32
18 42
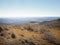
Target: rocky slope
33 33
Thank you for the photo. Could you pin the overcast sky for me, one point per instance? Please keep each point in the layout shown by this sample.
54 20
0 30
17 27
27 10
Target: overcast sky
29 8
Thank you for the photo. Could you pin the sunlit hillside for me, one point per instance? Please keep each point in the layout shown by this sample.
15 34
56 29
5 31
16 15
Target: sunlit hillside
32 33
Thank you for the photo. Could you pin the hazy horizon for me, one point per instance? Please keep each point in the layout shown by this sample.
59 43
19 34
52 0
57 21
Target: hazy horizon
28 19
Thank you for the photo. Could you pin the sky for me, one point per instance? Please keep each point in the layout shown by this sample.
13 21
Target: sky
29 8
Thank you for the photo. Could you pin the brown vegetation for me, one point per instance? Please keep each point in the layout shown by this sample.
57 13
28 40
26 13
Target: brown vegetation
47 33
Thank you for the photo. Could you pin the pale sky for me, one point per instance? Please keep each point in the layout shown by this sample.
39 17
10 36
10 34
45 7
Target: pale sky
29 8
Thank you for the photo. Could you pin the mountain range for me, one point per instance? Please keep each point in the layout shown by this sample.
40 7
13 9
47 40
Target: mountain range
24 20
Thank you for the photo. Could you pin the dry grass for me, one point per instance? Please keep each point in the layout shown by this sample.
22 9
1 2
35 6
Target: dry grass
47 33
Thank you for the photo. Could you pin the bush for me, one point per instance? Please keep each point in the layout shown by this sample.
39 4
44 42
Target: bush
1 29
13 35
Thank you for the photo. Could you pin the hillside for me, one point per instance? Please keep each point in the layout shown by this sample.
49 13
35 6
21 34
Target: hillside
33 33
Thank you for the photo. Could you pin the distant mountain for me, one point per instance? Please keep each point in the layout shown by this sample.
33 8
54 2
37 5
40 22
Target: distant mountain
24 20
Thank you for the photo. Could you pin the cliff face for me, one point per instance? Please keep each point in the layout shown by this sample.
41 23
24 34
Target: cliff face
33 33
